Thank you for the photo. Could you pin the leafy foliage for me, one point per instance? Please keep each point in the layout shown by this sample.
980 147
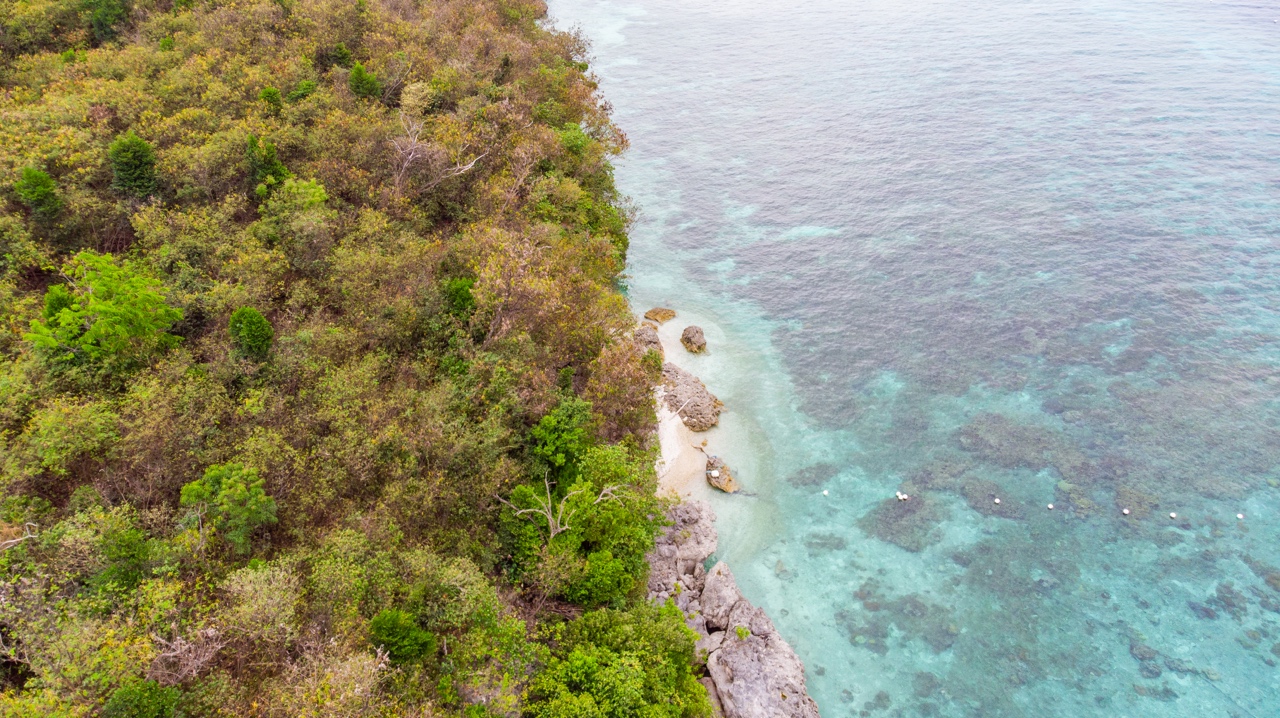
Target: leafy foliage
113 315
133 163
271 97
234 498
251 333
39 192
436 238
143 699
398 634
363 83
611 664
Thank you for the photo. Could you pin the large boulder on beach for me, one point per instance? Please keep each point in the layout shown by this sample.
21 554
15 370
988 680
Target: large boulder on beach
660 314
647 338
755 671
687 396
693 339
719 475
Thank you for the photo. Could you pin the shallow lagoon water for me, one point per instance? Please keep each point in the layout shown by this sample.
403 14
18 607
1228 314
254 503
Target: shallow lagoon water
970 250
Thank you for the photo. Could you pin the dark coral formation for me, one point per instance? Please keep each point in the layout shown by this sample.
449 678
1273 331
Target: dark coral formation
911 524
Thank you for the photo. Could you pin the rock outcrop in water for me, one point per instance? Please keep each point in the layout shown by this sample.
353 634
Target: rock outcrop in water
660 314
719 475
754 673
693 339
687 396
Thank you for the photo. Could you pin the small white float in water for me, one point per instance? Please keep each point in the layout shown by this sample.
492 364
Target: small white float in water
1051 507
1125 512
1173 516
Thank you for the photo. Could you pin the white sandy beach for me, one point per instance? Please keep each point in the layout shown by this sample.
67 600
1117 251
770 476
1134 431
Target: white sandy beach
682 467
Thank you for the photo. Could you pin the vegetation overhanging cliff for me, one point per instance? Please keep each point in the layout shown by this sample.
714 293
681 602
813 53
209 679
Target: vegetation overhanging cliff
317 393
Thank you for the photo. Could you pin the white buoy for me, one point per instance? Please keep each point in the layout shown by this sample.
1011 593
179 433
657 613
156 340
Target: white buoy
824 492
1051 507
1125 512
1240 516
997 501
1173 515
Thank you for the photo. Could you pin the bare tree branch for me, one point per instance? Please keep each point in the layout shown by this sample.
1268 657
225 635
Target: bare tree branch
557 515
28 532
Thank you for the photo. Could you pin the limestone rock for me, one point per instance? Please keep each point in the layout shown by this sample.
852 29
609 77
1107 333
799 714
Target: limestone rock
755 671
759 677
716 710
720 595
660 314
719 475
693 339
647 338
680 550
687 396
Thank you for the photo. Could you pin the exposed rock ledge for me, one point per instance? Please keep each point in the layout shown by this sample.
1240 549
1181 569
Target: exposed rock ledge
754 673
687 396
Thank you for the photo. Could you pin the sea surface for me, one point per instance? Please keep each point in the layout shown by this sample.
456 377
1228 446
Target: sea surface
966 250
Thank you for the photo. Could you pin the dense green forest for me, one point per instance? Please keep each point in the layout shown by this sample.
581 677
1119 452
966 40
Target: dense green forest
318 396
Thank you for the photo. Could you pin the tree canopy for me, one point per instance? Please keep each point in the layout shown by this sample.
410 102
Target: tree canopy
317 390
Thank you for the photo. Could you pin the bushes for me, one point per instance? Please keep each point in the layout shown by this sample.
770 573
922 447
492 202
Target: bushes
233 497
427 339
143 699
251 333
364 83
133 166
271 97
266 171
398 634
621 664
39 193
114 316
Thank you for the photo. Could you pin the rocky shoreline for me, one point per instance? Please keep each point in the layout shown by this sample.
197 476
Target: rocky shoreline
752 672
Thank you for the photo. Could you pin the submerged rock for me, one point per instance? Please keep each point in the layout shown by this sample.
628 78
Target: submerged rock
647 338
693 339
912 524
719 475
687 396
660 314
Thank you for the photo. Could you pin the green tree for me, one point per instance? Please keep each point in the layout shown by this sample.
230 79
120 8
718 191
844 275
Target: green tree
38 192
398 633
562 436
251 333
363 83
105 17
271 97
141 699
233 498
265 169
108 312
302 91
341 56
133 163
621 664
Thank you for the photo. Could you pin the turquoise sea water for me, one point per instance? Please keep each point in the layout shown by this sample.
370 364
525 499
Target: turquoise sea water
968 250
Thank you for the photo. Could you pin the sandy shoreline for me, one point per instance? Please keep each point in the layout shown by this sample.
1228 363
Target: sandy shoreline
682 466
